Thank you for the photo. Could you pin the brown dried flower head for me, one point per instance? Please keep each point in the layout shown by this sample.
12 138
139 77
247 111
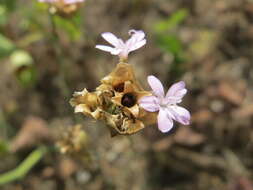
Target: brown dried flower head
65 9
73 141
115 101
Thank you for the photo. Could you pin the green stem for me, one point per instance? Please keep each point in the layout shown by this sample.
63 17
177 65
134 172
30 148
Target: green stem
24 167
59 56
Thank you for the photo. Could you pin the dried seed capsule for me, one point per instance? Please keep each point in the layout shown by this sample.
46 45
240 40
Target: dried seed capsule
115 101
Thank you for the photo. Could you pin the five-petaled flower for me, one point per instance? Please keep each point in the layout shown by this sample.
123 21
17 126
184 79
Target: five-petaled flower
166 104
121 48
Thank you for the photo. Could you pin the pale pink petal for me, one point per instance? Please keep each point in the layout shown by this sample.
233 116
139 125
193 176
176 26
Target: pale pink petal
165 123
121 44
156 86
115 51
149 103
137 45
180 114
105 48
136 41
137 34
130 43
177 89
111 38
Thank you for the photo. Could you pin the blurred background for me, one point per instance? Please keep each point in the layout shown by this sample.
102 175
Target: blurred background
44 58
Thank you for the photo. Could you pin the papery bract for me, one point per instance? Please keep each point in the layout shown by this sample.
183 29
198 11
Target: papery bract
115 101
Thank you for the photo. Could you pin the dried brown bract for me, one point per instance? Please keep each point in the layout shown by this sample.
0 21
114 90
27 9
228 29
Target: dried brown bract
115 101
73 141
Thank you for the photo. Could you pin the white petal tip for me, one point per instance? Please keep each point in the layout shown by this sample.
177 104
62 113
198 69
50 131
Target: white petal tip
106 34
151 77
186 121
165 131
182 83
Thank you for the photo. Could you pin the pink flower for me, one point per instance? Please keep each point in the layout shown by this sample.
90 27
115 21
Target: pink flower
121 48
166 104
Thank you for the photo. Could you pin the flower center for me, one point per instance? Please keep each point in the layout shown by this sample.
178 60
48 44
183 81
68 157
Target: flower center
128 100
165 103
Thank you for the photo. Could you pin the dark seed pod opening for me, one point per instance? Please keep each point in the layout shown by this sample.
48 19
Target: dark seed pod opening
119 87
128 100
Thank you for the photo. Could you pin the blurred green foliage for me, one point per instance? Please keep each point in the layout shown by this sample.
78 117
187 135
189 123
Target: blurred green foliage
71 26
167 39
4 148
18 173
171 44
172 21
34 29
6 46
9 4
25 70
3 15
20 58
14 50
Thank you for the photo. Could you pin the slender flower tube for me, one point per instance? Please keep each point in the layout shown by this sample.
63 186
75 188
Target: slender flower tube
121 48
166 105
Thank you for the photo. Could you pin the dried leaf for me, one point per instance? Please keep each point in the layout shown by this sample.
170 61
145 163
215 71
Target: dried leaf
163 144
66 168
202 116
244 111
187 136
229 92
34 130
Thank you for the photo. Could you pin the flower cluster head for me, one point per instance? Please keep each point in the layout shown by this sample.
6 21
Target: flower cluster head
121 48
122 103
115 101
166 105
